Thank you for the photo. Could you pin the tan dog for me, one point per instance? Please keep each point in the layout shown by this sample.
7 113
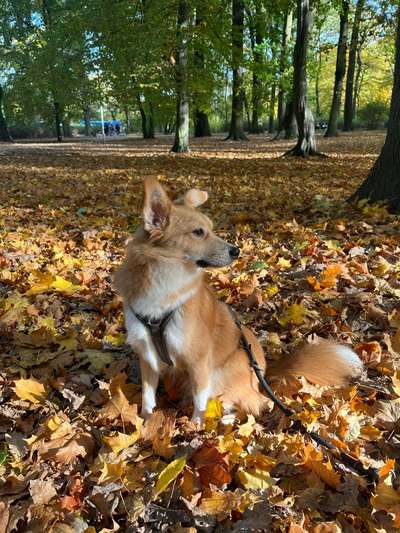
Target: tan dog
162 278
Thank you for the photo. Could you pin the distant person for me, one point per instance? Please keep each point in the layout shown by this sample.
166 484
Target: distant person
118 128
106 128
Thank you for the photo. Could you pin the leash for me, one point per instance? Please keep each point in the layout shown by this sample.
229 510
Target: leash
351 462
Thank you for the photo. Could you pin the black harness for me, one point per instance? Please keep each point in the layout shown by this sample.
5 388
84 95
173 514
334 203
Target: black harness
156 329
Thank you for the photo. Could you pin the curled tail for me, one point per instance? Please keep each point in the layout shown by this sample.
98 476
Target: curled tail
325 363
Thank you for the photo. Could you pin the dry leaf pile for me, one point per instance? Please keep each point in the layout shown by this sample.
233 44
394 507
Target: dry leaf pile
75 454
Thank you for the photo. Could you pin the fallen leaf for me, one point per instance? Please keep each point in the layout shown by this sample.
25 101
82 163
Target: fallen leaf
169 474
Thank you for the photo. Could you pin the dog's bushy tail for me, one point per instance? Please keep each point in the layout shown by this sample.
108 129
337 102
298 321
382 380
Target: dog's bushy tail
325 363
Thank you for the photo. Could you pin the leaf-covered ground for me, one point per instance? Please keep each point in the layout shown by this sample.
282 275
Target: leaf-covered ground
75 455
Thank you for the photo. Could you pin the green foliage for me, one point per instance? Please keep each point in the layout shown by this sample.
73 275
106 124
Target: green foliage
374 114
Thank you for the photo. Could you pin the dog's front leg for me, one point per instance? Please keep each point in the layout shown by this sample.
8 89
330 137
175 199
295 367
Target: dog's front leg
201 386
150 378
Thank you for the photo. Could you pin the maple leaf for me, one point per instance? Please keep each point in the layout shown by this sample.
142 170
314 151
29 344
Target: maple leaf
255 479
324 470
121 441
293 314
42 491
31 390
119 407
212 465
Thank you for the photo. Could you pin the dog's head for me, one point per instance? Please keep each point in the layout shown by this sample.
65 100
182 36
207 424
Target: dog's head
180 227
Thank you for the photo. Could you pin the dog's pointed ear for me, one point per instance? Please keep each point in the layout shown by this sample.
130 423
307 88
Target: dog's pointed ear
157 206
195 197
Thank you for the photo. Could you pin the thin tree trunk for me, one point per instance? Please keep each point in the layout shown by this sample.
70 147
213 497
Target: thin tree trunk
358 81
348 104
143 117
127 120
181 143
236 132
4 133
86 119
383 182
247 110
151 125
256 39
200 118
272 109
306 144
340 72
317 75
286 34
58 120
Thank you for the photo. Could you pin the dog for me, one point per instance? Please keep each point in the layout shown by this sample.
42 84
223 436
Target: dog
174 320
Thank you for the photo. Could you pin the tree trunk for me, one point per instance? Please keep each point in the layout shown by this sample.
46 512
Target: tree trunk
283 60
150 125
317 91
201 124
236 132
272 109
247 110
348 104
358 81
340 72
256 40
86 118
143 117
127 120
306 144
57 118
66 126
4 133
181 143
200 118
383 182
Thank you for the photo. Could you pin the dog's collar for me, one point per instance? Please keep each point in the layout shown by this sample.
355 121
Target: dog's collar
156 329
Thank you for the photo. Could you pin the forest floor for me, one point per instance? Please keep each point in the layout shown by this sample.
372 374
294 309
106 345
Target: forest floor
74 454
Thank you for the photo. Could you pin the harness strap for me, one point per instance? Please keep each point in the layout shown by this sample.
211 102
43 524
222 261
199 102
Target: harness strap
351 462
156 329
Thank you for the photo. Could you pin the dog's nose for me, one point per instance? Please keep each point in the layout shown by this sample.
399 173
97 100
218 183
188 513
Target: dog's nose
234 251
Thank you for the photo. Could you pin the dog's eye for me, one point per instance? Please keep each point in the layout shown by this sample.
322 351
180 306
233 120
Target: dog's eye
198 232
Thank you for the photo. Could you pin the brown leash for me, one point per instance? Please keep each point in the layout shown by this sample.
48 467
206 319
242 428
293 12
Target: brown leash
351 462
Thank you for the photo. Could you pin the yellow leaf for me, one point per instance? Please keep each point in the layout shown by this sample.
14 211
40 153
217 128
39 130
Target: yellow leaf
112 472
325 471
293 314
255 479
169 473
121 441
245 430
213 414
370 432
44 282
30 389
271 291
115 340
62 285
309 417
284 263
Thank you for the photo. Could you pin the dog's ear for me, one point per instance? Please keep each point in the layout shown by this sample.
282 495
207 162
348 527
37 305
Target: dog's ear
195 197
157 206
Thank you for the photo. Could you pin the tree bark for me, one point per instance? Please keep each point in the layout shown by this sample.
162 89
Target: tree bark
348 104
150 125
86 118
143 117
200 119
383 182
4 132
127 120
58 120
286 34
340 72
306 144
201 124
358 82
272 109
181 143
256 40
236 132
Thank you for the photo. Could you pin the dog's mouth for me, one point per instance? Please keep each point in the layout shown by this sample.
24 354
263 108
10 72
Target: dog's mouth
203 264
